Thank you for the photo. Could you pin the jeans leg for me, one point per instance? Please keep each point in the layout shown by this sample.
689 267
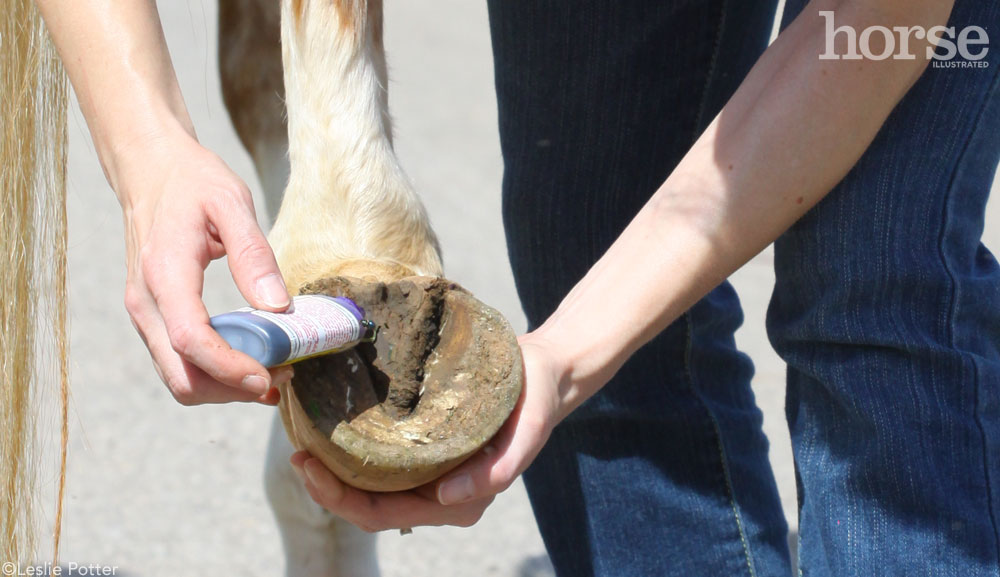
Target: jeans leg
887 311
665 471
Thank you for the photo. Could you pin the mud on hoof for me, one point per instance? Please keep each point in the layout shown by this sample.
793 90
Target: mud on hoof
437 384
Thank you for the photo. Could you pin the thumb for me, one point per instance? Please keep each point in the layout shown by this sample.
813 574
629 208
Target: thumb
497 466
251 260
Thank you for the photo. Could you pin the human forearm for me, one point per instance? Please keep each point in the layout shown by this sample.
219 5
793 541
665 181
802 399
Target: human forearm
791 132
117 59
183 207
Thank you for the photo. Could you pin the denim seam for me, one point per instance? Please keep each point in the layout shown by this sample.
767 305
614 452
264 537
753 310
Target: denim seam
732 496
688 349
712 68
986 456
706 89
953 306
798 549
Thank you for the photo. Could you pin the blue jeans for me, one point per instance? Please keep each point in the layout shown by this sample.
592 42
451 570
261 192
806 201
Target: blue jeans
886 309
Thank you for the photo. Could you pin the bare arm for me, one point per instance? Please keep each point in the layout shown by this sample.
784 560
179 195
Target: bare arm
182 205
117 59
793 130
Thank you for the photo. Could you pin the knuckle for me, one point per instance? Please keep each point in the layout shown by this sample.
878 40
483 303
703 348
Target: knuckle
146 252
243 194
503 476
471 517
182 394
254 249
181 338
239 191
150 263
134 301
229 196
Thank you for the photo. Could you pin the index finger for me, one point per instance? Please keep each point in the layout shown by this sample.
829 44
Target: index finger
175 278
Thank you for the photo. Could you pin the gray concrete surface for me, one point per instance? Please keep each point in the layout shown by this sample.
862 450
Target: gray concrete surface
162 490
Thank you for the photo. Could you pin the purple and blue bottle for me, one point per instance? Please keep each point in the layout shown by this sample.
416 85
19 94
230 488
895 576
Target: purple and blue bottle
317 325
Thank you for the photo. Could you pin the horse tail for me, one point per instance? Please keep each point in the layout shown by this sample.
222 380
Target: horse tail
33 343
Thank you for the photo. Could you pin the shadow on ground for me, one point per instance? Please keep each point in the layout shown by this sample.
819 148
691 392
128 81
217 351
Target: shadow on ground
540 566
793 548
537 566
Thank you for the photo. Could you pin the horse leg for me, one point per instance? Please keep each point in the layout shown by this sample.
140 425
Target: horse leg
315 542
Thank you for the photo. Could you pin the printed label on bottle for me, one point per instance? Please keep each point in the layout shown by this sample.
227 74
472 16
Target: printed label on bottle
318 324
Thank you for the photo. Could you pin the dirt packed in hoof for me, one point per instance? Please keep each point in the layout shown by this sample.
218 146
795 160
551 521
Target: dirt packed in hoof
392 369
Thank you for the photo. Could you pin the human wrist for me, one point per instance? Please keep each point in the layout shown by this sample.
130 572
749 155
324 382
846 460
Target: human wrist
144 145
580 363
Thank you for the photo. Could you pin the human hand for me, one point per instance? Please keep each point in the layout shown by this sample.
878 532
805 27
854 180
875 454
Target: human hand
183 207
460 498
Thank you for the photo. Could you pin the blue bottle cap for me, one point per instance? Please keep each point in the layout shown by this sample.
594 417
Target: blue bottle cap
259 338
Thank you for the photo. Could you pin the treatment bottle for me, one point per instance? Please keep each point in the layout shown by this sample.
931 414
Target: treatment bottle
317 325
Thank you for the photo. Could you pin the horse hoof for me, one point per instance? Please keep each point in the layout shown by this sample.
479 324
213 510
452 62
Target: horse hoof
439 381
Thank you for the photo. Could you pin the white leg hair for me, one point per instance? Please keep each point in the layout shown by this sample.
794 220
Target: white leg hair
348 200
348 207
317 543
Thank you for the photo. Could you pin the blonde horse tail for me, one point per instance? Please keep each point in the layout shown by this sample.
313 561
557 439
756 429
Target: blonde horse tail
33 342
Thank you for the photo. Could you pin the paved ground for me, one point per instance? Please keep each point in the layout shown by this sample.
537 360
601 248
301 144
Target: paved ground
162 490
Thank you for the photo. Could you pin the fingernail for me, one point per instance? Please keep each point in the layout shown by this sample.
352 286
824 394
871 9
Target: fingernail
272 292
298 471
310 474
255 384
456 490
